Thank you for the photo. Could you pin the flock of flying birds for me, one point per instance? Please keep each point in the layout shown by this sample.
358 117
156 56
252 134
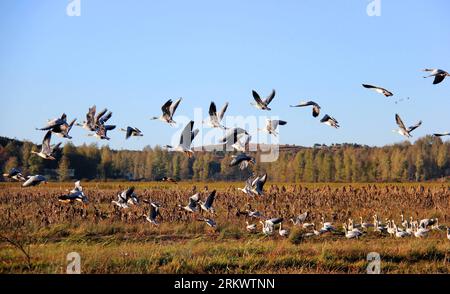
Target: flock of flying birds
238 139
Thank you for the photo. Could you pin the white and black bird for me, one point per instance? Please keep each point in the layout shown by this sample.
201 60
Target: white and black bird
187 136
262 104
315 107
132 132
208 204
232 139
248 187
441 134
300 219
272 125
380 90
34 181
403 130
75 195
126 198
210 222
243 160
14 174
168 111
153 213
438 74
101 132
91 120
193 203
330 121
258 185
54 123
47 151
216 117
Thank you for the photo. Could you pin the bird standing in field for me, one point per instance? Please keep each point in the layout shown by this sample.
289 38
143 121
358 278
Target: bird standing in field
403 130
168 111
380 90
262 104
47 151
438 74
315 107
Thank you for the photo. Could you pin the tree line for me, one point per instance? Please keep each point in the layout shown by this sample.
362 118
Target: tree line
426 159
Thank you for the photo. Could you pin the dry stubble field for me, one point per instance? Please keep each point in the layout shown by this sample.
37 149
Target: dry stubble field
122 241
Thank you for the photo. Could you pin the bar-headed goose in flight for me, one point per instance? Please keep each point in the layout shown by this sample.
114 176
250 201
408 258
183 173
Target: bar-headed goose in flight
34 181
208 204
243 160
272 125
402 129
258 185
126 198
132 132
168 110
442 134
438 74
54 123
187 136
90 122
232 139
76 194
47 151
210 222
315 107
248 187
153 213
379 90
262 104
216 117
330 121
14 174
101 132
192 206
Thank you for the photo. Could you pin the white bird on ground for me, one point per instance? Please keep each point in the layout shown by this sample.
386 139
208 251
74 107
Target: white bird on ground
327 226
272 125
47 151
420 232
427 222
77 188
402 129
330 121
262 104
186 139
250 227
379 90
34 181
216 117
315 107
283 232
132 132
208 204
353 234
168 111
438 74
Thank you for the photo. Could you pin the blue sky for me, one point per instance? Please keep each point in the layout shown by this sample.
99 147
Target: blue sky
131 56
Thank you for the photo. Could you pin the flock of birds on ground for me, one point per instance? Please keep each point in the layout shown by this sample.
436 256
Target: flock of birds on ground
96 124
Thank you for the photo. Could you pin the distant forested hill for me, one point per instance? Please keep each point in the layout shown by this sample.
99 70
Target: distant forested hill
426 159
